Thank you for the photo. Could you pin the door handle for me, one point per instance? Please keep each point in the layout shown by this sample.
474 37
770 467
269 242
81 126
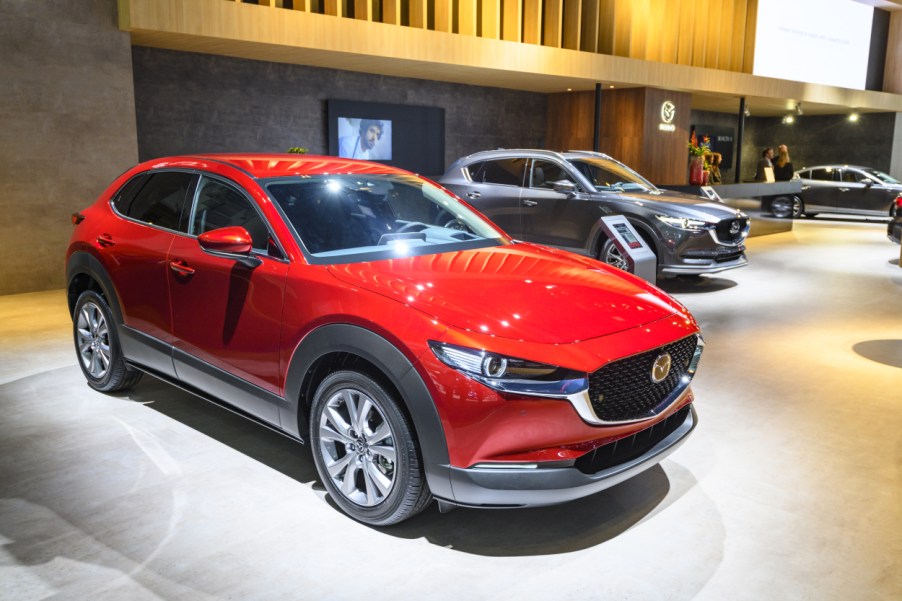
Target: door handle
530 203
843 189
105 241
473 195
180 267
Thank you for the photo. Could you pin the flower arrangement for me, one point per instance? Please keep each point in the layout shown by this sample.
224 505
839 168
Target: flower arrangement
698 150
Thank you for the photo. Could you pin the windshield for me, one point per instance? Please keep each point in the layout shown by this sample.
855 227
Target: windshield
883 177
608 174
351 218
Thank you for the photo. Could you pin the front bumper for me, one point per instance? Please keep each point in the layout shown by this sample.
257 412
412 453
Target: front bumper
522 486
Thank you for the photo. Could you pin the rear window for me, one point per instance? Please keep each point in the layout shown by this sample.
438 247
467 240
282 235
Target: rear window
158 199
508 172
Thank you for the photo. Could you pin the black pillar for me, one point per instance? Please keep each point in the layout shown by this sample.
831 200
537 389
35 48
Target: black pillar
740 132
596 141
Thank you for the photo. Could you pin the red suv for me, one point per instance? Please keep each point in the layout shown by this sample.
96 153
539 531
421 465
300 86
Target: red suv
424 353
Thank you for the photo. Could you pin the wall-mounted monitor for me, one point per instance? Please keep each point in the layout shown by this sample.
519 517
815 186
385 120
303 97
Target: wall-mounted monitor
814 41
405 136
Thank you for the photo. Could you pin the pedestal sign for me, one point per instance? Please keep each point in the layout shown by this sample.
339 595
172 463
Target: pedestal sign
640 258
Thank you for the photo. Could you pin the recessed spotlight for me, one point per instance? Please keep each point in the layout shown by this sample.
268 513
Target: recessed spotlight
569 89
789 119
611 86
853 117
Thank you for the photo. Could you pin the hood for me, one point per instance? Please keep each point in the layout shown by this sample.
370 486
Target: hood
683 205
519 291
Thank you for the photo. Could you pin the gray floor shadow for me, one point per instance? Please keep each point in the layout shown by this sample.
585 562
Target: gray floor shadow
887 352
491 532
277 451
695 284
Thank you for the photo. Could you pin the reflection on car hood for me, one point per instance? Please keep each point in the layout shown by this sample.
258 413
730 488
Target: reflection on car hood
520 291
684 205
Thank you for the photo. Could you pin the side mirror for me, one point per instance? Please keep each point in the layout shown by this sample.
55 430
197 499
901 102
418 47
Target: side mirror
233 242
868 183
565 187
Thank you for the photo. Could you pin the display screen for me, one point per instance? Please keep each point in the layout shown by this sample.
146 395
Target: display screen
627 235
367 139
814 41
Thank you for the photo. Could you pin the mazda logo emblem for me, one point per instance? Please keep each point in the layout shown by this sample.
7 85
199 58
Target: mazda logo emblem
660 368
734 229
668 111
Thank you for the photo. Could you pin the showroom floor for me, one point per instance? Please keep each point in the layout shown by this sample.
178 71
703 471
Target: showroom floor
790 487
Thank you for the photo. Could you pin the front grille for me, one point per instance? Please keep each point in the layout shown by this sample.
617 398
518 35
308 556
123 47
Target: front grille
728 257
631 447
724 226
624 391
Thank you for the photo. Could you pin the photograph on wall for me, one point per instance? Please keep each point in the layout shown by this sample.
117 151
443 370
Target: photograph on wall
366 139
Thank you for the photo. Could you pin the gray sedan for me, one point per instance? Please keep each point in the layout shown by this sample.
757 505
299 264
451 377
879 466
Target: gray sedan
846 189
558 199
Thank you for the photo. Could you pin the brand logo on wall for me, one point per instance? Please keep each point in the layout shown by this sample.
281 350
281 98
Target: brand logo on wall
668 112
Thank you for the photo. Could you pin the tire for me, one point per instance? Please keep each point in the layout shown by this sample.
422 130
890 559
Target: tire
97 345
365 450
612 256
785 207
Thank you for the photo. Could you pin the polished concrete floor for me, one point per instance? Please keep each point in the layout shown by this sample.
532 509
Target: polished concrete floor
790 487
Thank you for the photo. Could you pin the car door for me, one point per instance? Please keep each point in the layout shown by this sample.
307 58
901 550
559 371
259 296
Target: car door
551 217
135 250
227 313
861 195
494 190
821 190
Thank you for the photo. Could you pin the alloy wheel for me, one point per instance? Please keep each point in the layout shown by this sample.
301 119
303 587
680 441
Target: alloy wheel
357 447
612 256
93 340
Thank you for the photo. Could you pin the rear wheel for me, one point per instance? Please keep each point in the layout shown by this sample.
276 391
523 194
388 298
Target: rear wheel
365 450
785 207
97 345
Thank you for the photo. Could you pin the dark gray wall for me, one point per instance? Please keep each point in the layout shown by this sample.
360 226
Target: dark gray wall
719 120
188 102
67 128
819 140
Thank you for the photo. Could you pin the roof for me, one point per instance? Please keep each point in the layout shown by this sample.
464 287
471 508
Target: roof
262 165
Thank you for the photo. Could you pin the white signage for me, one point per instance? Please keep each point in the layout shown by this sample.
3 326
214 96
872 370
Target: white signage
668 112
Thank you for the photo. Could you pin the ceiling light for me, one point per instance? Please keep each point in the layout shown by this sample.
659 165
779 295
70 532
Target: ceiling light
789 119
853 117
747 112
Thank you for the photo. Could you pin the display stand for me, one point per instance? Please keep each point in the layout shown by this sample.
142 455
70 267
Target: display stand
641 260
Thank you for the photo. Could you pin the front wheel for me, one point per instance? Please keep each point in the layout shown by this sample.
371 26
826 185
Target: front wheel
611 255
97 345
365 450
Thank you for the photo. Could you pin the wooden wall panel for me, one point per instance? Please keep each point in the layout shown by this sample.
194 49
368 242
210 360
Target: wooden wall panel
664 154
588 36
418 14
532 21
552 23
490 19
570 120
571 29
511 20
892 73
444 18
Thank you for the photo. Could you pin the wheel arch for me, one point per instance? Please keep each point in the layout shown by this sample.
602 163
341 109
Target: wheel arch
85 272
337 346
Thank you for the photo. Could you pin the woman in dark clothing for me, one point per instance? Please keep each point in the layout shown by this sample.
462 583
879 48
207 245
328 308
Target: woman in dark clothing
783 170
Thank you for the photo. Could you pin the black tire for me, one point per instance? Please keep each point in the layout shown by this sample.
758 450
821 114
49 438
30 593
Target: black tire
371 469
97 345
786 207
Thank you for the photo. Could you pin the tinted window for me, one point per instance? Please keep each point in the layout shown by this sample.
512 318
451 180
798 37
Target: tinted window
822 174
221 205
545 174
123 199
503 171
159 201
853 177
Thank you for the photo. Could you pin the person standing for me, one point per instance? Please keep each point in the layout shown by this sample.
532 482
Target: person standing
764 163
783 170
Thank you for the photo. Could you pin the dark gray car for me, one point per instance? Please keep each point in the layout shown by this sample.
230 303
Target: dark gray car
847 189
558 199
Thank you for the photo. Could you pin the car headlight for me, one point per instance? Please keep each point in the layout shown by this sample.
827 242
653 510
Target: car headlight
684 223
509 374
